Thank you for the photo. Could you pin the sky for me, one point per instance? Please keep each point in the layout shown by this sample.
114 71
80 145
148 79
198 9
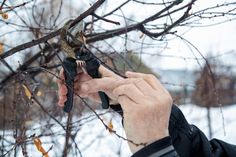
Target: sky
218 39
214 40
210 41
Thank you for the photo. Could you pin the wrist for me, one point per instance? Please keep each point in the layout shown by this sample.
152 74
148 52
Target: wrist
151 138
161 147
159 135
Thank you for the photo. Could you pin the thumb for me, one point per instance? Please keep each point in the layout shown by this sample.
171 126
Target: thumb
99 84
105 72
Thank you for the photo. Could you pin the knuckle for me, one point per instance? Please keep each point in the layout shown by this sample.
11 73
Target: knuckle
127 87
138 80
115 91
164 98
84 88
149 103
121 99
118 91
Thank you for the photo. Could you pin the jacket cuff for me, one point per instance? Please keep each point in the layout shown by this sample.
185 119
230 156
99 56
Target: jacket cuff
160 148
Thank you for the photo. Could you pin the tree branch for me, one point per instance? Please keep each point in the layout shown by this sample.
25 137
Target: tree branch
112 33
53 34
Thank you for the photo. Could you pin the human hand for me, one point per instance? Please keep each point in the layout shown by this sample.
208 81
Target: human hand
145 102
146 108
87 87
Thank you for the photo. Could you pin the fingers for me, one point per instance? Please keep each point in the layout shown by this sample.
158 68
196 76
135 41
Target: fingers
133 90
126 103
81 77
95 85
85 86
150 79
106 72
62 100
143 86
133 86
62 90
141 89
90 85
130 91
61 76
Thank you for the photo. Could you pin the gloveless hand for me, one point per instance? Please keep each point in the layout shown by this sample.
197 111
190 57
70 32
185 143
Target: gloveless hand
146 105
87 87
145 102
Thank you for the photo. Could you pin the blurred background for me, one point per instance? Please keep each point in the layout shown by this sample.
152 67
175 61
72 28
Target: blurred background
189 45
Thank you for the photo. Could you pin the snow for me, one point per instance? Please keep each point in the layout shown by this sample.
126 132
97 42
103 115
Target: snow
223 121
94 140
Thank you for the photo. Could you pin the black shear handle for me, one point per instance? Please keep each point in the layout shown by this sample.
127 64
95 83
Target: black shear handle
69 65
92 66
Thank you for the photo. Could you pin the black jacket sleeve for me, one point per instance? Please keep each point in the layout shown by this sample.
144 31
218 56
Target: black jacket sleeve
185 140
160 148
189 141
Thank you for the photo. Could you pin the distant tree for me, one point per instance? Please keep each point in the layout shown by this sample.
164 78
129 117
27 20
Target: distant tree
214 87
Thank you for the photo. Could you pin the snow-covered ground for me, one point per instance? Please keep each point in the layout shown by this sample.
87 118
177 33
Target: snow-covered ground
223 121
93 140
109 145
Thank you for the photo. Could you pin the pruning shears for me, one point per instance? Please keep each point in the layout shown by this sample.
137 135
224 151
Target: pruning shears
74 45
